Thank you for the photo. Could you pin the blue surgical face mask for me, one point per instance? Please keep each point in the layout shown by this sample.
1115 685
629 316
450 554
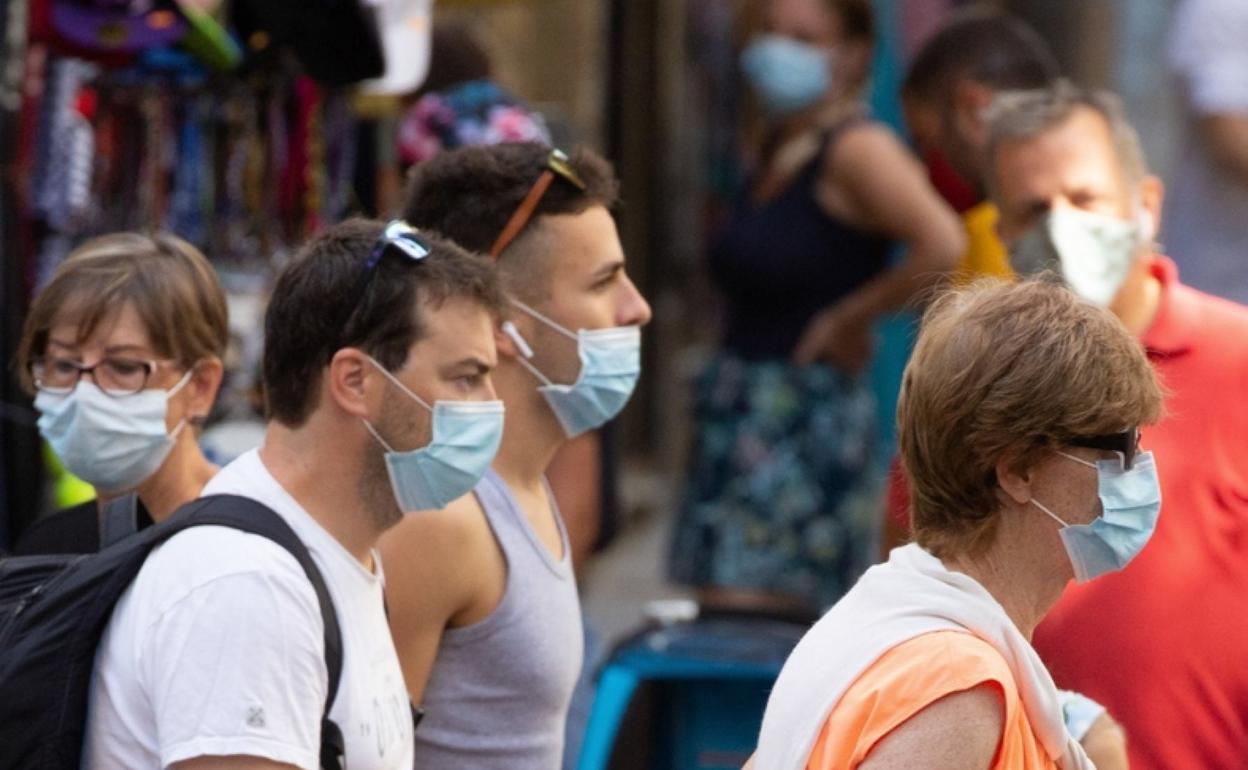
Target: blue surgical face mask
1131 502
787 75
610 366
113 443
466 436
1092 252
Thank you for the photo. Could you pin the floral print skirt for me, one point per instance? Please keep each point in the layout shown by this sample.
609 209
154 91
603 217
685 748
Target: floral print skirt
781 493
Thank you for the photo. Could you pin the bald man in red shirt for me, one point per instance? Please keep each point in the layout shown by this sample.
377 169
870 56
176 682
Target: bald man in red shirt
1163 643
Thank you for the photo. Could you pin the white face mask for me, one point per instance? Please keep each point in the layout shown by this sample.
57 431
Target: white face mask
1092 252
113 443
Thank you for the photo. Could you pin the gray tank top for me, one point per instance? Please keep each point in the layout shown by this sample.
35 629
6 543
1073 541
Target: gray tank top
499 691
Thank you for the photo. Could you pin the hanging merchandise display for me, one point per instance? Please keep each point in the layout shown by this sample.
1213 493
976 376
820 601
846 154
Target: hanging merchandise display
241 169
142 115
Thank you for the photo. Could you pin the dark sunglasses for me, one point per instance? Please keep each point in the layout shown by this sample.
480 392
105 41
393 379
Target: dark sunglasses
1126 444
557 164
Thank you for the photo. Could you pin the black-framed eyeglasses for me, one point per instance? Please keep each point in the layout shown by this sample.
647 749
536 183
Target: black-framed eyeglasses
557 164
396 236
117 376
1126 444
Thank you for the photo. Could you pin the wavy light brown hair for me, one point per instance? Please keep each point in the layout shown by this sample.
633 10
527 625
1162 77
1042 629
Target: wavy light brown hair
170 284
1008 371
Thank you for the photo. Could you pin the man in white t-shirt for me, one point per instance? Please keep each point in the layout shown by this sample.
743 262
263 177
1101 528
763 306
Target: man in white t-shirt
214 657
1206 225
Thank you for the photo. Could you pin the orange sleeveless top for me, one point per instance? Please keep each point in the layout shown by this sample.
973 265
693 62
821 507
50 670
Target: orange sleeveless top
908 678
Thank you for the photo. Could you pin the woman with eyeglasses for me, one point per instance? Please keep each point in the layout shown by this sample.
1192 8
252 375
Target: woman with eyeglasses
1018 423
123 351
780 482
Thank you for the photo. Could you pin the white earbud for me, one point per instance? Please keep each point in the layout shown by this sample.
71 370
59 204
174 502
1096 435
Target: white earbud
511 331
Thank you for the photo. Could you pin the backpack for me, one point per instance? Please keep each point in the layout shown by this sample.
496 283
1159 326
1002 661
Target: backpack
53 612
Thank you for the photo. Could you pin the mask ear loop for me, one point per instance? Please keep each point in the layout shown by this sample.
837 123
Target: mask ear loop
181 383
395 381
546 320
1080 460
1051 514
177 429
377 435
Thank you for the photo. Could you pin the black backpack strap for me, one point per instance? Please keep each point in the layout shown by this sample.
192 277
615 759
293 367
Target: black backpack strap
119 520
253 517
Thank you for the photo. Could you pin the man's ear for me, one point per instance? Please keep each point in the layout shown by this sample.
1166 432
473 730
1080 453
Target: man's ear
971 100
511 342
348 381
1152 197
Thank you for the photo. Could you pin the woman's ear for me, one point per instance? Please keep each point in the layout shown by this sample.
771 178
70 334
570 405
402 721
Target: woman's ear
203 387
1014 483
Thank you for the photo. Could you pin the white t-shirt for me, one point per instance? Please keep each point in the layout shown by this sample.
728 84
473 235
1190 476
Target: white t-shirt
217 648
1206 224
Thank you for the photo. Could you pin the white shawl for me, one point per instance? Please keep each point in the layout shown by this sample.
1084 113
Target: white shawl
909 595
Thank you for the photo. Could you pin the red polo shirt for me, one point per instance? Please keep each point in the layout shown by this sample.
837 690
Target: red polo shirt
1163 644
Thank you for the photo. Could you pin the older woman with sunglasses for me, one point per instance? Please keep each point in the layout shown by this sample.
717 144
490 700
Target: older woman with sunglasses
123 350
1018 422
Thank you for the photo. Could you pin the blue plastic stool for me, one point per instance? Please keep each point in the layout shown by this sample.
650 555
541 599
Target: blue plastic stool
718 671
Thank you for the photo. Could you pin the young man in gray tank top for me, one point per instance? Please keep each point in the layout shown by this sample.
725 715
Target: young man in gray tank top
482 598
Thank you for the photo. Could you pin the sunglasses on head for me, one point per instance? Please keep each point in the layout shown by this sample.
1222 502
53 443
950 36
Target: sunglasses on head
557 164
398 237
1126 444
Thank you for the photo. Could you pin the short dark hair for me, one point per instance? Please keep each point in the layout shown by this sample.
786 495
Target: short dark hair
857 19
469 194
985 45
317 308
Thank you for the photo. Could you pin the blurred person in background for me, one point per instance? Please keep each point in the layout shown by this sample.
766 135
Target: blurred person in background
1019 419
953 77
778 488
1160 643
123 351
951 81
460 103
1207 224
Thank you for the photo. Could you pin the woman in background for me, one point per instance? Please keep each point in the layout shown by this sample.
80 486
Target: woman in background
778 505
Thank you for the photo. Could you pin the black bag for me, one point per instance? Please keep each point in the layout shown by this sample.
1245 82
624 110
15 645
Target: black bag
337 41
54 609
